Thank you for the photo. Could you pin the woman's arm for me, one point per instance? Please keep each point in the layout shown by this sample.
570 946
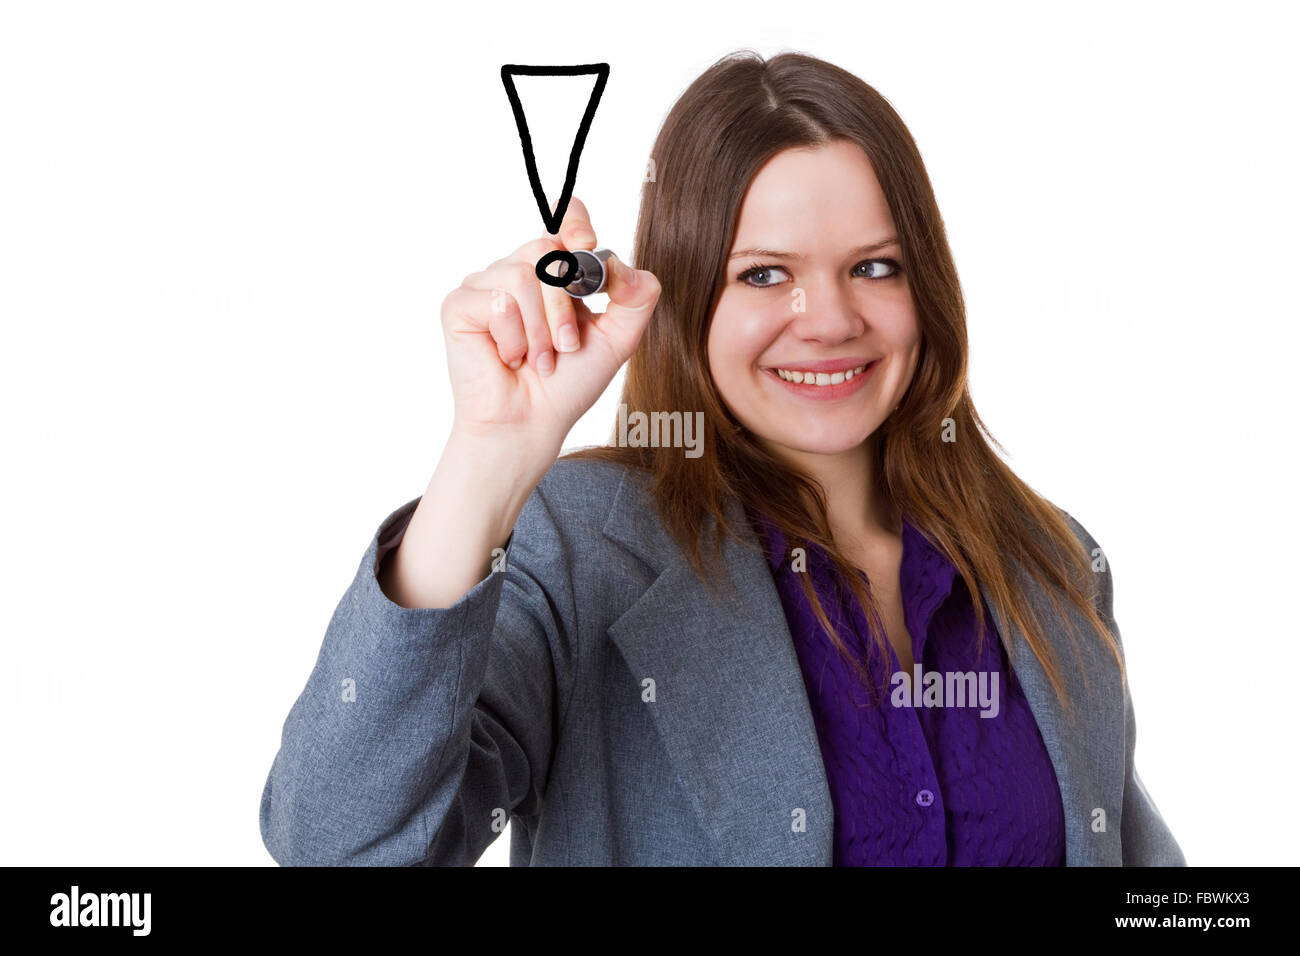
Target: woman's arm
1145 839
421 730
466 514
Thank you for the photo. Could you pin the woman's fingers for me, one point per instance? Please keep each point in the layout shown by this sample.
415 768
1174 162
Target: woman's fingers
562 310
514 277
576 231
548 316
507 329
486 310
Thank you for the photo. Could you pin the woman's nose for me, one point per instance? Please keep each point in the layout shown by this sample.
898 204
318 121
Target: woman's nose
827 312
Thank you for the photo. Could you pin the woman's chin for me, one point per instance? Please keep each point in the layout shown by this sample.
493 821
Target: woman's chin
803 442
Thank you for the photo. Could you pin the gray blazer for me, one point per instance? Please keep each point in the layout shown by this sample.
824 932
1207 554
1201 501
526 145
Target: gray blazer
421 731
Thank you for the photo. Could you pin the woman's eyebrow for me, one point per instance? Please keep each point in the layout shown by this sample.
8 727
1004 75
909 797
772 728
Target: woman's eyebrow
773 254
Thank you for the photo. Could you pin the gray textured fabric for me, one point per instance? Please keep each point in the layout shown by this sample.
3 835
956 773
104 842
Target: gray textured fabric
525 700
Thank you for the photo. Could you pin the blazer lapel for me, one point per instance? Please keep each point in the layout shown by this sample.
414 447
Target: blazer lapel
1088 750
730 702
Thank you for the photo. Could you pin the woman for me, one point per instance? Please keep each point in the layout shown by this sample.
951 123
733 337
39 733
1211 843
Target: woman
767 652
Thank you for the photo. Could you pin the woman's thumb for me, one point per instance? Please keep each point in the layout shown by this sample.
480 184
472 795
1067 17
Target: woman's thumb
633 294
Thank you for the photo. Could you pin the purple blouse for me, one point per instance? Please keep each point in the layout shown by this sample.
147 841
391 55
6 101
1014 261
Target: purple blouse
952 772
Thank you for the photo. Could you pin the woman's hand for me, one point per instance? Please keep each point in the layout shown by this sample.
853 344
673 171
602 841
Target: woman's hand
525 359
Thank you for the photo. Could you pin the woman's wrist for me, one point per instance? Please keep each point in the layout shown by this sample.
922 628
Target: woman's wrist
497 466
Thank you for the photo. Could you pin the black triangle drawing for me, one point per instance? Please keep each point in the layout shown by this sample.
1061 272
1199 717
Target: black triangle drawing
508 73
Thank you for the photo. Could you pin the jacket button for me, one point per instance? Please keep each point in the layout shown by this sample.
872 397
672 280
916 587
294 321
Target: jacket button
924 798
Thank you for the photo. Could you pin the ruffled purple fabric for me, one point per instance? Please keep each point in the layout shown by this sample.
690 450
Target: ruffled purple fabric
928 785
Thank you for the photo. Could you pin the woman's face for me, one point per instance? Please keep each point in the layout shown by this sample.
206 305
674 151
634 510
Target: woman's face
827 297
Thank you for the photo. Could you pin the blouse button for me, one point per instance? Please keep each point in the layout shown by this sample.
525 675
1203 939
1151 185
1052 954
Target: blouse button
924 798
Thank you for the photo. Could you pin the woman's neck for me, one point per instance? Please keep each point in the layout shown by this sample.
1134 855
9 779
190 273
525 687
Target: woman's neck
858 507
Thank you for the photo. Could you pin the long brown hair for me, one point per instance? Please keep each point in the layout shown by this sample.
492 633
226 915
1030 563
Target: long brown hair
959 494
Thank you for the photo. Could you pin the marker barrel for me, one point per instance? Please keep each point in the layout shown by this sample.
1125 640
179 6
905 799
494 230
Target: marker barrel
592 272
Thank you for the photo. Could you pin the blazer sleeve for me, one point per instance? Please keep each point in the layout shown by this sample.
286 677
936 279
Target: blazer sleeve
422 730
1145 839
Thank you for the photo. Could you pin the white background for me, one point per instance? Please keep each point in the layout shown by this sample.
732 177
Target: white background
226 230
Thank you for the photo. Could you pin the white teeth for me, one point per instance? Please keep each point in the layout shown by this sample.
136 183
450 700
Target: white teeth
819 378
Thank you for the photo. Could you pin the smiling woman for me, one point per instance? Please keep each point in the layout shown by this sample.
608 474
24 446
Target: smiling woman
631 698
831 364
815 224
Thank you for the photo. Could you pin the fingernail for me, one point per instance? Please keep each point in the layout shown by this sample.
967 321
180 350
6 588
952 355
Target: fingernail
584 237
546 362
516 363
568 339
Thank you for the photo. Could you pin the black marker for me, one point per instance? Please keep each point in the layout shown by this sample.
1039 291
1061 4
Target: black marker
589 276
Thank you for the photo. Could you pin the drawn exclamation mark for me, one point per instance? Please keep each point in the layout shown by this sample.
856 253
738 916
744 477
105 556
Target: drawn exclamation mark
572 270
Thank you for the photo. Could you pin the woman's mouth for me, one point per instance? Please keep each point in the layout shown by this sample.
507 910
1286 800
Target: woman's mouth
821 385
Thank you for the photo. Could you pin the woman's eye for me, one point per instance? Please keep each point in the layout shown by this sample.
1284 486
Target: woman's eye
760 277
889 265
759 272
